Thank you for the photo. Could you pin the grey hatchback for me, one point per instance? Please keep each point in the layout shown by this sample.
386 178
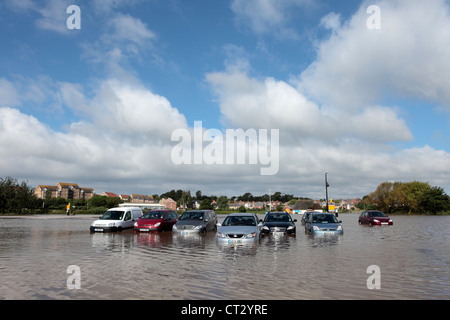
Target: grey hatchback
199 221
323 224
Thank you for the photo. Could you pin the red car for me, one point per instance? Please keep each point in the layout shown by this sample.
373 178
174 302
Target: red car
156 220
374 217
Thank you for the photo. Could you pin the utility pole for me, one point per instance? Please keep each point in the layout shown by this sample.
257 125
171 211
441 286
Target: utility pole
270 200
326 189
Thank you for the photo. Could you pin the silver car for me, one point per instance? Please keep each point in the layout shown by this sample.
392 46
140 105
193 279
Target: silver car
239 228
199 221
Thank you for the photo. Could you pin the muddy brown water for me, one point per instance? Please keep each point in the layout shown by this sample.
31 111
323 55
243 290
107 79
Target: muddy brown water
413 257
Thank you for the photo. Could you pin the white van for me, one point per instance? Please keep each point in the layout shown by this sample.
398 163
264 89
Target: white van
117 219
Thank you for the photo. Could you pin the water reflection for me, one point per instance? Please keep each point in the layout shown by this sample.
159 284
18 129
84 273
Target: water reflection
412 254
244 249
319 240
112 241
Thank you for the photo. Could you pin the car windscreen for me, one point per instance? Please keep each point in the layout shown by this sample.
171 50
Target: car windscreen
153 215
239 221
324 218
271 217
376 214
192 215
113 215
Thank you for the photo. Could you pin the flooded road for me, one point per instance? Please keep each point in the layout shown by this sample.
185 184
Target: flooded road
412 256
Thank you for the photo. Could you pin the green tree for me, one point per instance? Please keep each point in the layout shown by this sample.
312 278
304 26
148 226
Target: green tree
246 197
381 196
186 199
15 196
410 197
222 203
435 201
206 205
98 201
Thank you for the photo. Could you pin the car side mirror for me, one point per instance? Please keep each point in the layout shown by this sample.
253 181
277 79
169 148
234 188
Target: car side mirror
295 220
340 221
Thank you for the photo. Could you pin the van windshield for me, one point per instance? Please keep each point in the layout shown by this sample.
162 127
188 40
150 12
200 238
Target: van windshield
113 215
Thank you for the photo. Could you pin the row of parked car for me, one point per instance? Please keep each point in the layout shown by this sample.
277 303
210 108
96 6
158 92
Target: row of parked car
235 228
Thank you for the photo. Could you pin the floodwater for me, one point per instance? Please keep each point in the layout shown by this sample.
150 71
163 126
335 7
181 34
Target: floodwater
413 257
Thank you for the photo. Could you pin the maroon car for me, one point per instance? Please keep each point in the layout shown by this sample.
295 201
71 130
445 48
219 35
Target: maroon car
374 217
156 220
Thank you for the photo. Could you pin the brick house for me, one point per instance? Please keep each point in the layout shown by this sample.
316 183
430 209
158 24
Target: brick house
46 191
140 198
64 190
169 203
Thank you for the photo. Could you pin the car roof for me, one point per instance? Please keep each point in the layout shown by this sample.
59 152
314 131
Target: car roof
277 212
242 214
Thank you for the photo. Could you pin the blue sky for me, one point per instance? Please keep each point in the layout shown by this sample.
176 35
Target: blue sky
367 106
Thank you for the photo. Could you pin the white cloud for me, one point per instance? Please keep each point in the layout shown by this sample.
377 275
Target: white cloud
408 57
268 103
128 33
125 39
131 109
124 135
9 96
265 17
54 16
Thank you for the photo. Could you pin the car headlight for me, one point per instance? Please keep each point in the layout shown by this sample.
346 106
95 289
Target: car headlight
135 224
111 224
290 227
157 224
339 228
316 228
220 235
198 227
174 227
251 235
390 220
266 228
376 220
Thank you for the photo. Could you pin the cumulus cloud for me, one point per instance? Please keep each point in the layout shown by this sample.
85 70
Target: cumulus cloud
247 102
407 57
119 136
267 16
8 93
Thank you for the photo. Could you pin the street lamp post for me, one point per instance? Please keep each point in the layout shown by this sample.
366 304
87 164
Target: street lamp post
326 189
